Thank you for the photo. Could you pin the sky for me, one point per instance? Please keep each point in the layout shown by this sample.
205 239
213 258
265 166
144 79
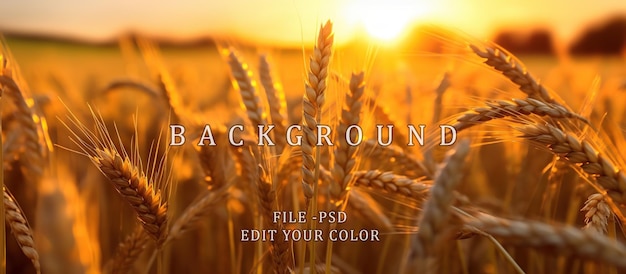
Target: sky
291 22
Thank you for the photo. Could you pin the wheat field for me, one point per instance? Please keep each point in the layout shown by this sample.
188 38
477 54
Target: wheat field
94 182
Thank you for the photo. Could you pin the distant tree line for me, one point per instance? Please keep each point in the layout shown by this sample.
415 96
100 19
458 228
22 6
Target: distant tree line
608 38
539 41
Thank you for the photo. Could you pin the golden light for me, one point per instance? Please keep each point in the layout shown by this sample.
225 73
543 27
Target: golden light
385 20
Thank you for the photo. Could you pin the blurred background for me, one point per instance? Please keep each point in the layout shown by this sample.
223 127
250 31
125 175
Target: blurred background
50 40
524 25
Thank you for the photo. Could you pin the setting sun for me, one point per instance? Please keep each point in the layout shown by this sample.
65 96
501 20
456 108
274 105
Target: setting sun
385 21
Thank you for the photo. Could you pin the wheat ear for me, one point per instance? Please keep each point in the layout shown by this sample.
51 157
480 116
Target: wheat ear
436 210
10 148
290 164
313 101
277 104
581 153
597 213
23 234
127 177
514 70
280 248
137 189
344 153
128 251
382 116
33 152
166 84
402 163
444 84
211 159
516 107
567 239
171 93
369 208
244 156
194 212
247 89
362 202
130 84
391 183
215 161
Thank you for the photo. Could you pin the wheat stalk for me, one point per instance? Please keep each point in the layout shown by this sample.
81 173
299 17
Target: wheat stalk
381 116
247 162
194 212
128 251
277 104
10 148
402 163
171 93
249 173
215 161
280 247
567 239
436 210
247 90
362 202
291 163
211 159
34 151
391 183
312 105
444 84
313 101
344 153
267 196
514 108
597 213
166 84
23 234
514 70
137 189
581 153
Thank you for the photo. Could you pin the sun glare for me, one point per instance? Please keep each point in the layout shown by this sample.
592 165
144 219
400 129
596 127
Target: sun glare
387 20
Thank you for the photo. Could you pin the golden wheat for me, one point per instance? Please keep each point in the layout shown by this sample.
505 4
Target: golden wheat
566 239
581 153
312 104
137 189
391 183
277 105
516 107
426 213
34 148
597 213
436 209
247 89
16 221
345 154
128 250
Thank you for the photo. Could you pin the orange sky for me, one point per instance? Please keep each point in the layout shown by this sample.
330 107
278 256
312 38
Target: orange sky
291 21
